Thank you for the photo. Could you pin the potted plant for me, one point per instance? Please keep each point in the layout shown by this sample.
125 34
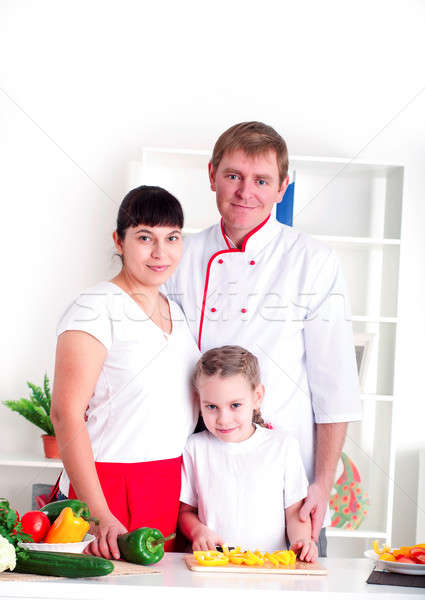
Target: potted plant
37 410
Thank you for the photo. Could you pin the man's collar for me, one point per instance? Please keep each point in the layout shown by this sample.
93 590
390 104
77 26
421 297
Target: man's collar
256 239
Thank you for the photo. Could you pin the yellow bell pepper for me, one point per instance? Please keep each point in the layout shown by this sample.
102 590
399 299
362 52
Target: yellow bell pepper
67 528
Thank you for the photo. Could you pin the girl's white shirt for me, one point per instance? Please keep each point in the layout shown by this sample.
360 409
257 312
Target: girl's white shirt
241 489
142 408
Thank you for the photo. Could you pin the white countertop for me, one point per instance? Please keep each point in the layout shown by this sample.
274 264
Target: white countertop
346 580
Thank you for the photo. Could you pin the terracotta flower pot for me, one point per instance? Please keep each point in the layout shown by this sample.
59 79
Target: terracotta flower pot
51 448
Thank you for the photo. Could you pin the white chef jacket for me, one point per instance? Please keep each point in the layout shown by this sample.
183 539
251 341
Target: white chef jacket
283 297
241 489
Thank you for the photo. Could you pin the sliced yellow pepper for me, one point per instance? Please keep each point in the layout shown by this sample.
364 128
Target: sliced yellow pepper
210 558
214 562
386 556
271 558
399 552
379 550
236 560
283 557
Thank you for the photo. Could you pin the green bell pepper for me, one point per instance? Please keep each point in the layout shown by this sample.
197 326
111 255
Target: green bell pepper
79 508
144 546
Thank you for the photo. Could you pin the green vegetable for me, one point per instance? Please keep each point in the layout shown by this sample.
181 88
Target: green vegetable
37 408
11 527
79 508
63 564
144 546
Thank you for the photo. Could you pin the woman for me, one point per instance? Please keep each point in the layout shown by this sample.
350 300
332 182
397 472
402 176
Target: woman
122 406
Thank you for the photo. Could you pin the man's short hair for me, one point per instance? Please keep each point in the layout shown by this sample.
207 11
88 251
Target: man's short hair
253 138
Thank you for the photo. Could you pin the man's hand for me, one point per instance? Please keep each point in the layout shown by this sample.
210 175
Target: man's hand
206 539
306 550
315 505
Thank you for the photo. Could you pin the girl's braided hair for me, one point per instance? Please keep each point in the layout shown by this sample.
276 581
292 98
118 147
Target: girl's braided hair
227 361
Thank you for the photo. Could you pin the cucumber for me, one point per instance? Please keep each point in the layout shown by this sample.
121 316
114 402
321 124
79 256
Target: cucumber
62 564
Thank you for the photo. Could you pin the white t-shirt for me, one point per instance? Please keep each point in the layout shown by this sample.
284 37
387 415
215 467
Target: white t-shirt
142 408
241 489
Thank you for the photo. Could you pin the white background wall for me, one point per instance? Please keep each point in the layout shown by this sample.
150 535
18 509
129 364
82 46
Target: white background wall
84 85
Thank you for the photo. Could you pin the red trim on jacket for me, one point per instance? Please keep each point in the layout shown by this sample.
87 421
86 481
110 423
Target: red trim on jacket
246 238
207 275
204 299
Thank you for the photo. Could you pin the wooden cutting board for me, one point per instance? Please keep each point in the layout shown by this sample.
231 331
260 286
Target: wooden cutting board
301 568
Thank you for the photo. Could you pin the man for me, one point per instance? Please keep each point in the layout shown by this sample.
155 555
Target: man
252 281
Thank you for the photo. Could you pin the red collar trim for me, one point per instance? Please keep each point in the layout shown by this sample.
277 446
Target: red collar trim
246 238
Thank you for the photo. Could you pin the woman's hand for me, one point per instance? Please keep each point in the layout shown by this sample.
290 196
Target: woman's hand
106 533
306 550
205 539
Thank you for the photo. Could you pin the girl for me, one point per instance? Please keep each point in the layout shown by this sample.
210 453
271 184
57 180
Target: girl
242 484
122 406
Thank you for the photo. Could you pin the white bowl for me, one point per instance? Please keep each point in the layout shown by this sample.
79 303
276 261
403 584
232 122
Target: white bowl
395 567
74 547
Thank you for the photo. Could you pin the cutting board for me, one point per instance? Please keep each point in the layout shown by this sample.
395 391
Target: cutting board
301 568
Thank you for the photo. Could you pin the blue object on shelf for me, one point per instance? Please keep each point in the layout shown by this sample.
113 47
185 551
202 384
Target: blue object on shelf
285 208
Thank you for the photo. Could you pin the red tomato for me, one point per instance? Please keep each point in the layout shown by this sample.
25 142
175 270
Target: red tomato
418 555
36 524
404 559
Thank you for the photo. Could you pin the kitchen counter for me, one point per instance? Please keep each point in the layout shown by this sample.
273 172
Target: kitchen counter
346 580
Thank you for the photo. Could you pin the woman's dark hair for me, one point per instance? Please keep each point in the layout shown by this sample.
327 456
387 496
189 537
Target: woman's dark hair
149 205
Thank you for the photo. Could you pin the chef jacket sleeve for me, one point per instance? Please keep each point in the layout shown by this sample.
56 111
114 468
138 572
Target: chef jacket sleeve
88 313
188 493
295 478
329 346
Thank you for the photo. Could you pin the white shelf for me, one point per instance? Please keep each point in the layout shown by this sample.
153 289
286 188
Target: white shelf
373 319
354 241
356 533
28 461
377 397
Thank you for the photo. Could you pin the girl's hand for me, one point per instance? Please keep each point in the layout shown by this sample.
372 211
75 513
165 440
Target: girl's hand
206 539
105 544
306 550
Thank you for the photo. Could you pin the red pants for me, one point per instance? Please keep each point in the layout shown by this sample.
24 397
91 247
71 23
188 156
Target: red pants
142 494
